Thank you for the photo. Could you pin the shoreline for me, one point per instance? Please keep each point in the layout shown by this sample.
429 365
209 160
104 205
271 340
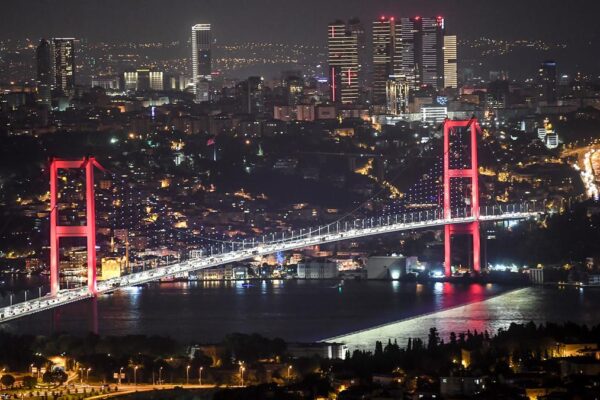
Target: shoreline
336 339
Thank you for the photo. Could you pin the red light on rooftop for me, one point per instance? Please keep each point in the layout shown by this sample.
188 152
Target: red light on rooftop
383 18
392 18
417 18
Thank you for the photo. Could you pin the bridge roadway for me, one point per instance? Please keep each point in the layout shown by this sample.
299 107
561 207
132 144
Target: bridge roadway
321 235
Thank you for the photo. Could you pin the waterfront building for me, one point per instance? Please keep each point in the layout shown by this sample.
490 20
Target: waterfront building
317 269
386 267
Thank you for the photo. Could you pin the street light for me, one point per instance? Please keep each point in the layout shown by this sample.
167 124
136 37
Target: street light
135 375
200 376
160 375
120 374
289 371
87 376
187 375
242 374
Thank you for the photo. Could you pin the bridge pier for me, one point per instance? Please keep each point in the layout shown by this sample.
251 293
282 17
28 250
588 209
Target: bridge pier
471 173
87 231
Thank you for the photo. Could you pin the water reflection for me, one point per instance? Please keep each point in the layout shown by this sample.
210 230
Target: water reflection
311 310
519 306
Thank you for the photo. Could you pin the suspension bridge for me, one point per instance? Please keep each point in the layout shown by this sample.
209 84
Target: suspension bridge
459 175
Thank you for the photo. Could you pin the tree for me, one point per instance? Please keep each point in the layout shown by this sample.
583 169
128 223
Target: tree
7 380
434 339
29 382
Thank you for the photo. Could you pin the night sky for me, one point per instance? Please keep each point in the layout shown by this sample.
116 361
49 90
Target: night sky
299 21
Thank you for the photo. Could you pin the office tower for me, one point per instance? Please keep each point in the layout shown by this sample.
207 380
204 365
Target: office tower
422 51
201 55
356 28
410 36
64 64
432 52
547 90
343 63
386 56
143 79
450 62
397 92
251 96
45 72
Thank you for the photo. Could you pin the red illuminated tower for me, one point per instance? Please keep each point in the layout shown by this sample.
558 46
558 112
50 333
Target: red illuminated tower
87 231
471 173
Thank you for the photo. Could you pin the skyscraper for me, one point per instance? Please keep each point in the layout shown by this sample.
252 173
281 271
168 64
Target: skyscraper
343 63
386 56
201 56
357 28
547 89
45 72
432 51
450 62
423 51
410 36
64 64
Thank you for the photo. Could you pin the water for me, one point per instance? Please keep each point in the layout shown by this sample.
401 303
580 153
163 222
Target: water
313 310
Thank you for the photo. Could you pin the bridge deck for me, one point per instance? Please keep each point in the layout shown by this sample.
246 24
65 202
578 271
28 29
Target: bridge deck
321 235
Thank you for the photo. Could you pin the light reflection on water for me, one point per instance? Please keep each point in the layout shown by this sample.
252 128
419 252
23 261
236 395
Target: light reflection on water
313 310
520 306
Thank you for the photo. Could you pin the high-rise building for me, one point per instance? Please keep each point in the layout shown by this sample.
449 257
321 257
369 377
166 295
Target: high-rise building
386 56
410 37
357 29
397 92
143 79
201 54
251 96
45 72
343 63
432 51
423 51
450 62
547 88
64 64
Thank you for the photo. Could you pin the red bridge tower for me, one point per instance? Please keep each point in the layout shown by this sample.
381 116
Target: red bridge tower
450 174
87 231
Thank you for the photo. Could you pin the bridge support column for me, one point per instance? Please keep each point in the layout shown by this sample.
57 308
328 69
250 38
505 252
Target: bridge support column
87 231
472 173
473 230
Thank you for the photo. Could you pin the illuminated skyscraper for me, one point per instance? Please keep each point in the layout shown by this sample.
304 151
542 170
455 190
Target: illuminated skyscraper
423 51
343 63
397 92
357 28
410 53
201 55
432 52
386 56
64 64
45 71
547 89
450 62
